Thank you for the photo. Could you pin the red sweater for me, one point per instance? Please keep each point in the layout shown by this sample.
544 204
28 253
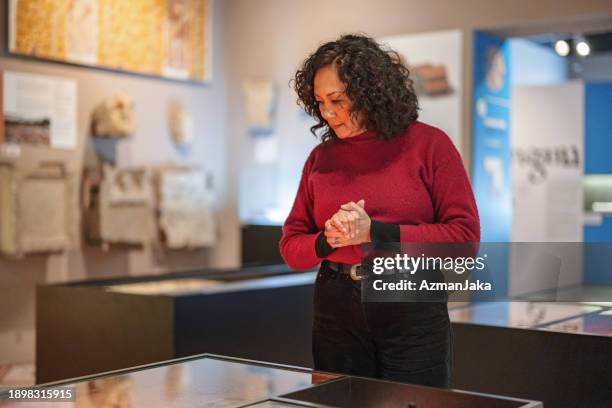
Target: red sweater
416 180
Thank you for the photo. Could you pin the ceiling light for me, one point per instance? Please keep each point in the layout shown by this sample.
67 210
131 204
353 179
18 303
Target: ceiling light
583 49
562 48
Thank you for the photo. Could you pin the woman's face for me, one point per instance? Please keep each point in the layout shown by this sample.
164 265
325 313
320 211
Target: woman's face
334 105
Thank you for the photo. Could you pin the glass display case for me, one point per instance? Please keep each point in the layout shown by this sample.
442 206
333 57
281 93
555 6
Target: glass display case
599 324
220 382
135 321
519 314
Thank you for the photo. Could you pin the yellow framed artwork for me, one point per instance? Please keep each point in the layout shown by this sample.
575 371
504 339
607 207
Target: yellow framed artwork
165 38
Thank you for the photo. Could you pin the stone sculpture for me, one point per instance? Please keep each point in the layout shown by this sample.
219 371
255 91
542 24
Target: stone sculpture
181 124
114 117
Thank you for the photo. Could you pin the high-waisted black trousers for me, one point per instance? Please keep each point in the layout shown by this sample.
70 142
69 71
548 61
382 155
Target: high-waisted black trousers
409 342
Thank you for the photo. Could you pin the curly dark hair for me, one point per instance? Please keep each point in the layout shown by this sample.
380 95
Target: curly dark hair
377 83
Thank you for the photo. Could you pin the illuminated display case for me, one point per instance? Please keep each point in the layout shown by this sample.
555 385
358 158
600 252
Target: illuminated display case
215 381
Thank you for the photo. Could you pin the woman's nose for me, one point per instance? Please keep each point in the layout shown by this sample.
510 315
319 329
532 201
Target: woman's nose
328 113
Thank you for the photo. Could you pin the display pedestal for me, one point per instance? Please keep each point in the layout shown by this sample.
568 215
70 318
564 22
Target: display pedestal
90 327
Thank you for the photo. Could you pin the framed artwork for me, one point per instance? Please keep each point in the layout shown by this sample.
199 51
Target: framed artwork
164 38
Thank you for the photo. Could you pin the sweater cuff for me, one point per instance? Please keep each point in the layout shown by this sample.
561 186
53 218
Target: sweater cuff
322 248
383 232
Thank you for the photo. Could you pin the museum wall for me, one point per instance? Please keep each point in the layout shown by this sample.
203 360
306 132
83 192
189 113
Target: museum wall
269 38
150 144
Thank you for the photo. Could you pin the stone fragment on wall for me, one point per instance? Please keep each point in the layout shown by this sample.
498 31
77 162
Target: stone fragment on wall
181 124
127 206
36 213
8 210
259 98
186 216
114 117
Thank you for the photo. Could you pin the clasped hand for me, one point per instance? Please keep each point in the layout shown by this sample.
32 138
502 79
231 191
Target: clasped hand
349 226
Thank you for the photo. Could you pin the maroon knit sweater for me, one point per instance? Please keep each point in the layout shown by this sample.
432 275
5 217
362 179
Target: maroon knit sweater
416 180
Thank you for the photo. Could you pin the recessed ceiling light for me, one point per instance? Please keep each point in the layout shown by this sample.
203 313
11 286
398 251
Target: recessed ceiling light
562 48
583 49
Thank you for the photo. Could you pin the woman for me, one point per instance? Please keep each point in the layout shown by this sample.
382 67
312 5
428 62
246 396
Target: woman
378 175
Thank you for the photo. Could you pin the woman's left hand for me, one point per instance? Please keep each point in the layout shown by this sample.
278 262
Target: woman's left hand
349 226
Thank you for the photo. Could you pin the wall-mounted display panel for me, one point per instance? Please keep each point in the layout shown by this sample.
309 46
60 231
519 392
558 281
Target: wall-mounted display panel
166 38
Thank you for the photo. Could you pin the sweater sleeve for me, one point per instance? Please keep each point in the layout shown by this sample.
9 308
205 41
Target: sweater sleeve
384 232
455 211
322 248
298 242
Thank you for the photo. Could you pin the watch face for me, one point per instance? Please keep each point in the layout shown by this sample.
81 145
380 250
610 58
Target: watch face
495 68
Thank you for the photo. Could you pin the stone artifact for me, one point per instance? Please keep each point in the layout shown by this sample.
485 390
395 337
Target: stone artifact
259 103
185 203
127 206
36 209
8 210
181 124
114 117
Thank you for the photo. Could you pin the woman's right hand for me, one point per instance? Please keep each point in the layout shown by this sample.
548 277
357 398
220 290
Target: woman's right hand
345 227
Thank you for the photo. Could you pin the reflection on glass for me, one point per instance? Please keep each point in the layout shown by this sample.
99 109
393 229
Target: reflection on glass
206 382
598 324
518 314
603 304
164 287
178 379
112 392
274 404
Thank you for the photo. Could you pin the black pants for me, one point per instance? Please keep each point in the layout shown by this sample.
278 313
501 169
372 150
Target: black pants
408 342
